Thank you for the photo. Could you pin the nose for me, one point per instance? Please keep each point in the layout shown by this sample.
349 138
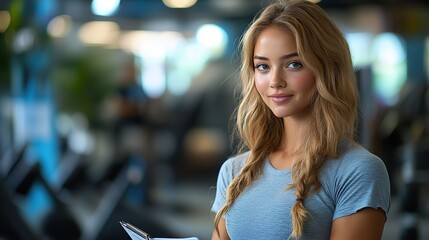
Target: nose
277 79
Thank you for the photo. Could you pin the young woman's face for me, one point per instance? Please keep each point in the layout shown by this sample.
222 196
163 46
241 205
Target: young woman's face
283 82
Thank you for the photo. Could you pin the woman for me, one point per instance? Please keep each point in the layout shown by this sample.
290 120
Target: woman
301 174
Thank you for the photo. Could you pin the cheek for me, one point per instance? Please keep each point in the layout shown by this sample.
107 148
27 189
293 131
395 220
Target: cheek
305 83
260 85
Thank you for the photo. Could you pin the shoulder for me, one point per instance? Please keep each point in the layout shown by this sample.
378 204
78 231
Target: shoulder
359 159
355 166
355 180
228 171
355 158
232 167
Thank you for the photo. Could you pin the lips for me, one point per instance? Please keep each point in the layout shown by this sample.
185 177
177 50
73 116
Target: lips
280 98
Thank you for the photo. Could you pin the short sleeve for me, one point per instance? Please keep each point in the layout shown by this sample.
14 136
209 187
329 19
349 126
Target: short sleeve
223 181
361 181
228 171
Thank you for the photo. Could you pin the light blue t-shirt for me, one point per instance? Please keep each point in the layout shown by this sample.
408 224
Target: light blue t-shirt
356 180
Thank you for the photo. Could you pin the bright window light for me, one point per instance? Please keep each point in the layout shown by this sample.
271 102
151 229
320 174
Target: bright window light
153 78
359 44
212 37
178 82
389 49
153 53
185 63
389 67
149 43
105 7
153 48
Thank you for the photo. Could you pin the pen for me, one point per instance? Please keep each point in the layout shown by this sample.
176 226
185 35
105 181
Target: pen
139 232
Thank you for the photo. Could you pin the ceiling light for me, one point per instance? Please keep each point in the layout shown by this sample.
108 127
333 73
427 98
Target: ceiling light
99 33
60 26
179 3
105 7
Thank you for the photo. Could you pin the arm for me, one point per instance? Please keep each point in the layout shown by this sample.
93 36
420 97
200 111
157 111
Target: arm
362 197
222 231
367 223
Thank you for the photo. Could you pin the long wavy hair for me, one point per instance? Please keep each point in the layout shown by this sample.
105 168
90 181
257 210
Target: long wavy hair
324 50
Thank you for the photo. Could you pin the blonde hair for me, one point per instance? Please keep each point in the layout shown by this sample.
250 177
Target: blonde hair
324 50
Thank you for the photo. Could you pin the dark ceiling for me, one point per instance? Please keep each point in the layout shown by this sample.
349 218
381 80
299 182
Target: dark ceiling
141 9
218 9
132 12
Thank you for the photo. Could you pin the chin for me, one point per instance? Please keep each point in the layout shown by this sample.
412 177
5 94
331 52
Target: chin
280 114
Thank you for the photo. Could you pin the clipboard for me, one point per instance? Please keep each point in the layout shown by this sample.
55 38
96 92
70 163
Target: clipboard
136 233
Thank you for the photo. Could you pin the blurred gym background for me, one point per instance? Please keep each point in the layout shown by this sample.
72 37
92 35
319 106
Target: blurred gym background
119 110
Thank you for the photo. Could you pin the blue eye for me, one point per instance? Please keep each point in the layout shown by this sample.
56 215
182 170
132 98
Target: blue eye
295 65
262 67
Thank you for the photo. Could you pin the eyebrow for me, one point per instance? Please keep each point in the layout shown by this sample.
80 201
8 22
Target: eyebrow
283 57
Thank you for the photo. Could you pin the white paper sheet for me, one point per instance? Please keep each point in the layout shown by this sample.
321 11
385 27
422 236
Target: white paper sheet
135 236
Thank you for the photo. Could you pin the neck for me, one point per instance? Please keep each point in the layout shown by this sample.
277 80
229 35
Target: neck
296 131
